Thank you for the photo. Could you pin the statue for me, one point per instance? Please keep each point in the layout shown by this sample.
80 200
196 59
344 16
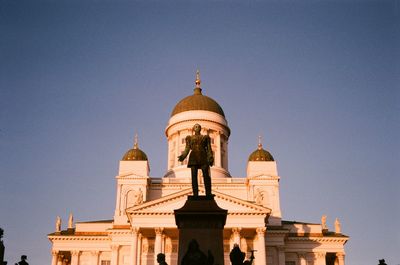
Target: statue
194 256
323 222
70 221
201 157
337 226
139 197
58 224
161 259
237 256
23 260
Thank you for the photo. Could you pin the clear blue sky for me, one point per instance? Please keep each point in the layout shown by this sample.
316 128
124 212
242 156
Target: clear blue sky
319 80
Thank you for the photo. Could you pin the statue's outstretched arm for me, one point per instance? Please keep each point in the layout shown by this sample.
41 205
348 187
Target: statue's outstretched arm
186 151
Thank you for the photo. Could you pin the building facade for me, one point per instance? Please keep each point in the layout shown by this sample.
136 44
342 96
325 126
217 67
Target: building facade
143 224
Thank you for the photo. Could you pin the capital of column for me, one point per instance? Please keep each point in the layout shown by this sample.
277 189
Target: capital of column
114 247
261 231
236 230
95 253
75 253
280 248
54 252
135 230
302 255
320 255
340 255
159 230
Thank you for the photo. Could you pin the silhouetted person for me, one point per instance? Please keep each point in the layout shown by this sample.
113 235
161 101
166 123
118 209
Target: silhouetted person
161 259
237 256
194 256
382 262
201 157
23 260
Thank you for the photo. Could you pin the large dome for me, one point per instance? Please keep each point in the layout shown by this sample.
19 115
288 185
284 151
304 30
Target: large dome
197 101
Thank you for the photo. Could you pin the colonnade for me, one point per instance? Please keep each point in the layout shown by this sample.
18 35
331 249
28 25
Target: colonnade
160 247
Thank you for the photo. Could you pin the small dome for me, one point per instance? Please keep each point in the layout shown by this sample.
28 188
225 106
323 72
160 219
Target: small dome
197 101
261 155
135 154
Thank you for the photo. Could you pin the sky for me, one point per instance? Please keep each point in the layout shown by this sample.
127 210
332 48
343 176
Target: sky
318 80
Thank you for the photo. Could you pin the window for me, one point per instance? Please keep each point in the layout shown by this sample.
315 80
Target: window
106 262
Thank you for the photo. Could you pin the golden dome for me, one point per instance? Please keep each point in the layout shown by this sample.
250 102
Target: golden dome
135 154
261 154
197 101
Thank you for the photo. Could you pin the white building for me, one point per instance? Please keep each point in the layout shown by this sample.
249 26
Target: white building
143 224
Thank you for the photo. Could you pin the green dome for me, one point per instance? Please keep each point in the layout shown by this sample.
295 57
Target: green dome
261 155
197 101
135 154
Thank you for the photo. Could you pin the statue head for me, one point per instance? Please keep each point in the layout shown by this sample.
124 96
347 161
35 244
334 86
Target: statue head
197 128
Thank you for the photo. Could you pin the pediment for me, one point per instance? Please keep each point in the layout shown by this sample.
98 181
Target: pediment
167 204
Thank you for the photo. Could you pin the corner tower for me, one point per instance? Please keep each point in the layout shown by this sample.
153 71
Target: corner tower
197 108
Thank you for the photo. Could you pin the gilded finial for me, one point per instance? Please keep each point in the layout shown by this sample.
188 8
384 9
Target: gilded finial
259 142
135 145
197 89
198 81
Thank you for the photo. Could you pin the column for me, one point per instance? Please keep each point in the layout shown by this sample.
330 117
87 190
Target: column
281 255
236 235
134 245
218 151
54 256
262 252
340 257
139 249
158 241
114 254
302 259
95 257
321 258
60 259
74 257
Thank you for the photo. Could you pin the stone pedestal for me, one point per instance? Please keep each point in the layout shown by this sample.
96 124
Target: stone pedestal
201 219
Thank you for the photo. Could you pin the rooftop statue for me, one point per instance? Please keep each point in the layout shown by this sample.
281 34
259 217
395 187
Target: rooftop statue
201 157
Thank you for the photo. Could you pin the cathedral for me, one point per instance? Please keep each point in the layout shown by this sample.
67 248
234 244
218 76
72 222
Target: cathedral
143 224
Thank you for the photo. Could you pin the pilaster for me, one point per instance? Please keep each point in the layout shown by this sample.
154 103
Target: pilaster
281 255
158 241
95 257
54 257
75 257
262 252
114 254
134 245
340 256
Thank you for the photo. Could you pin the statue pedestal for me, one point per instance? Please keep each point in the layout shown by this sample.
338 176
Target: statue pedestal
203 220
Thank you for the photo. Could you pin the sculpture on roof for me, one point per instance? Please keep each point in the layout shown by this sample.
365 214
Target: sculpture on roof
70 221
323 222
58 224
201 157
338 229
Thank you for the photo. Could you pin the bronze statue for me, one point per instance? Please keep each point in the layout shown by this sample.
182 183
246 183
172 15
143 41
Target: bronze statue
201 157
